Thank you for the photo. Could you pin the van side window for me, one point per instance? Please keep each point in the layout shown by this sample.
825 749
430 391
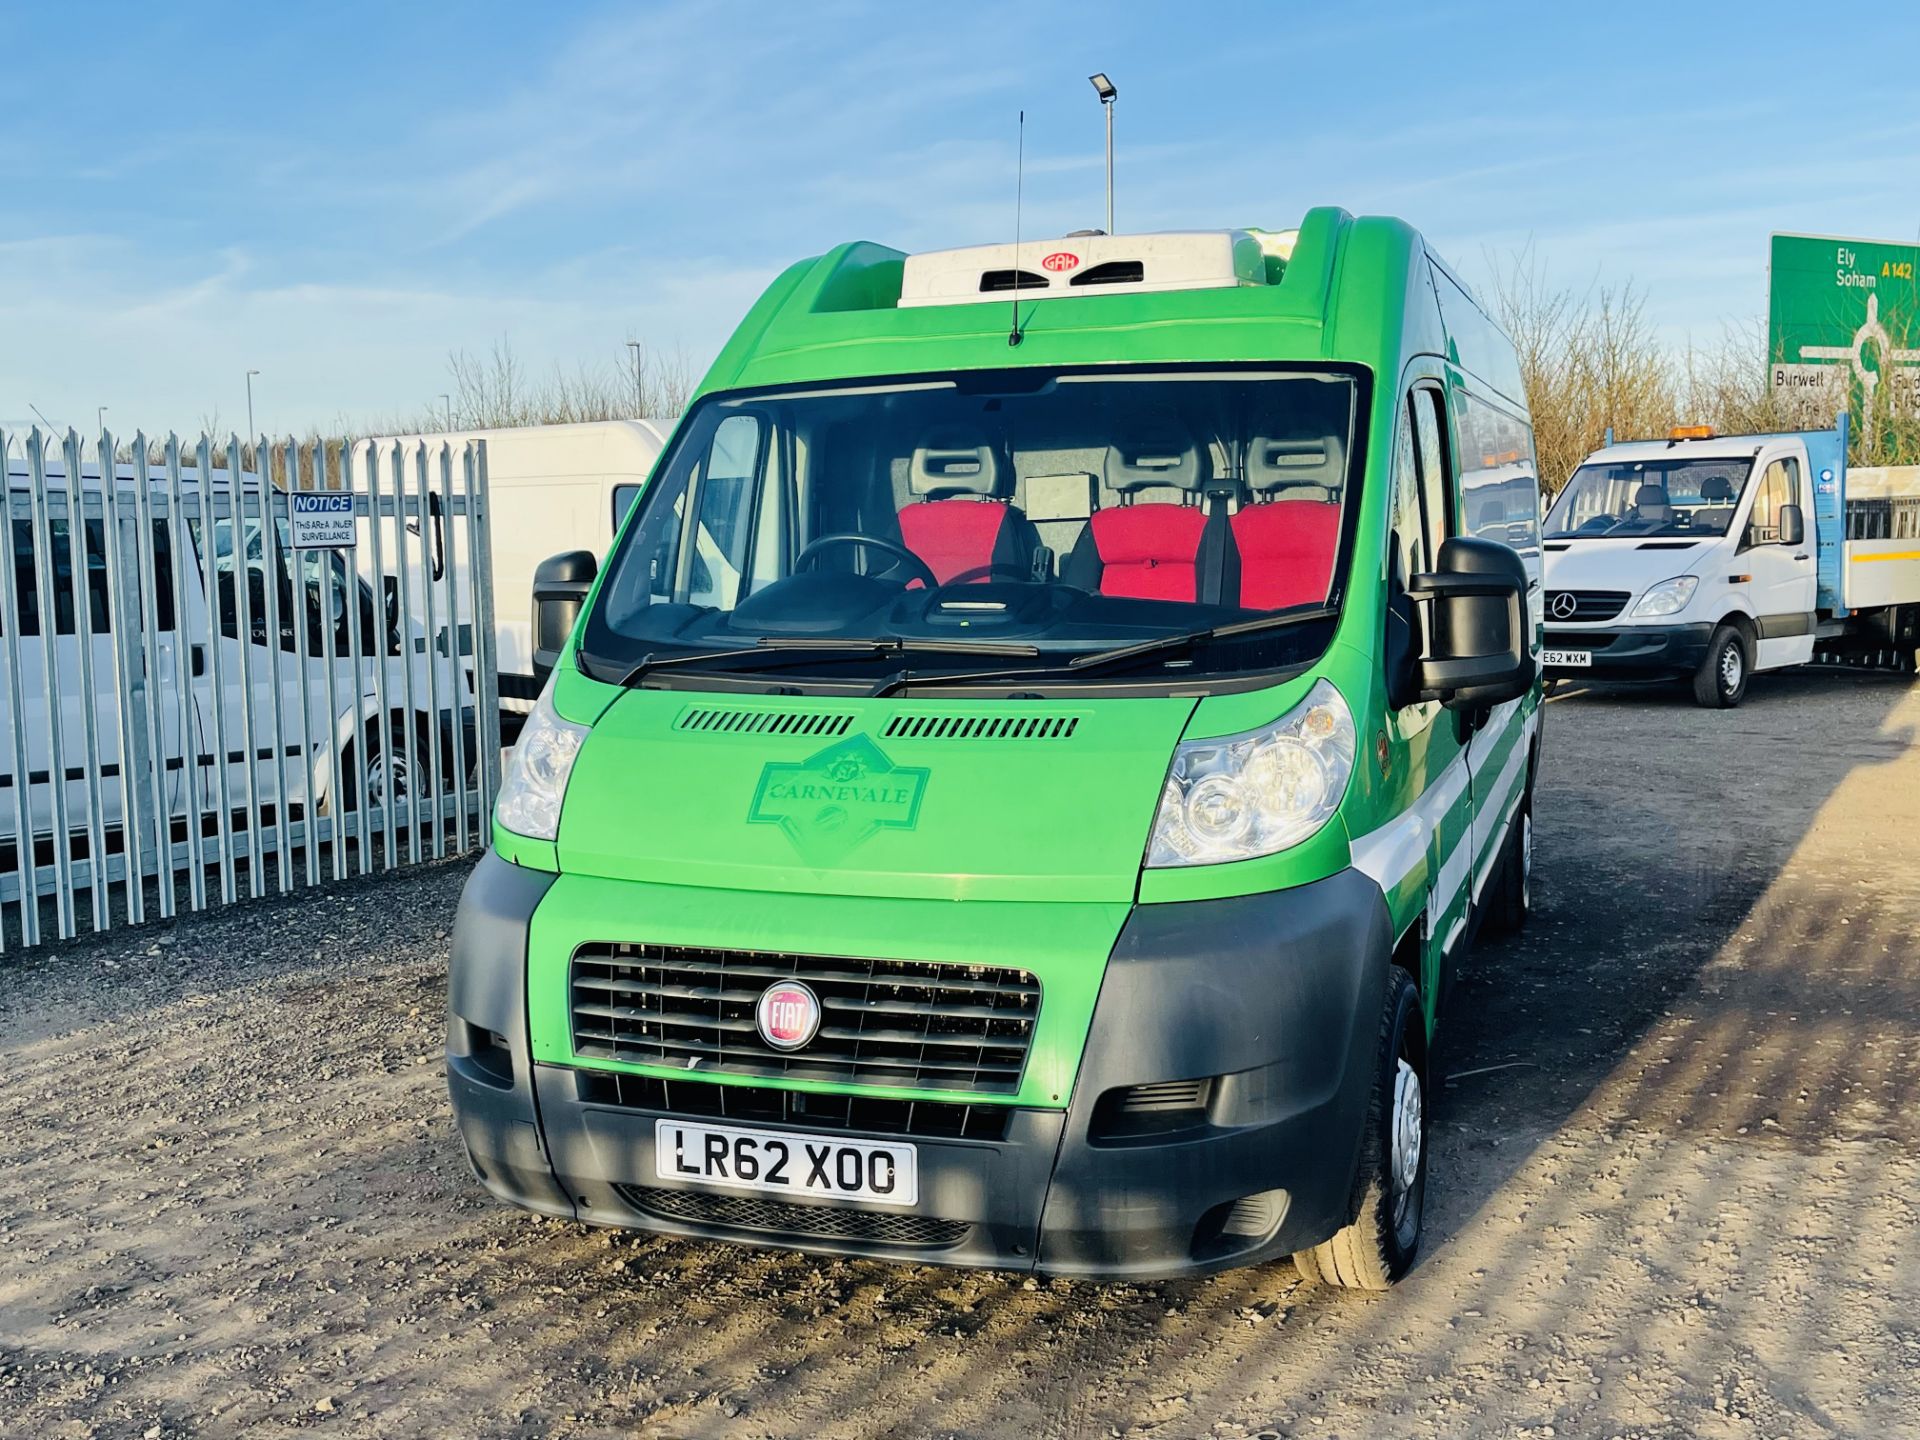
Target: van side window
255 569
1436 478
1780 485
27 577
1409 541
726 491
163 619
624 497
1499 487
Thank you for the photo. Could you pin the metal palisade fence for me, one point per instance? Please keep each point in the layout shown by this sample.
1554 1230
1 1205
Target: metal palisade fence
229 669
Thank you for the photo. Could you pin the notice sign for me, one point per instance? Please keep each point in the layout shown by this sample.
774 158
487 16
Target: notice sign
321 520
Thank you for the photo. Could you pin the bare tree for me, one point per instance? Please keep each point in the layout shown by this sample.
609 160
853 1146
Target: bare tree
493 391
1589 360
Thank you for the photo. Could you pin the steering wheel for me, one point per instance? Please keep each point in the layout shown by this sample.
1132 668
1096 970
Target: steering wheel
901 555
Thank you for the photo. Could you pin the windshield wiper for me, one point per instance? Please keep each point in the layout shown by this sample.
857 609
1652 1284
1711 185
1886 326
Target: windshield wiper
1278 620
794 649
1186 640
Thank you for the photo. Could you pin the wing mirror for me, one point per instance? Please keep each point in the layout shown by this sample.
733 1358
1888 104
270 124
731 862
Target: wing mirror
560 586
1793 525
1481 651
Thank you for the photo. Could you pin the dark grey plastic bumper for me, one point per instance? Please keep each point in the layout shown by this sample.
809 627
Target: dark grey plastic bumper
1275 998
489 1075
1634 652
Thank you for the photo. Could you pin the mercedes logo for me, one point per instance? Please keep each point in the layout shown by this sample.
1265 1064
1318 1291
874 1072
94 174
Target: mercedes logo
1561 604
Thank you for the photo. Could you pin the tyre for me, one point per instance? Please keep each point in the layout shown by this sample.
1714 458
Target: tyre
1511 898
1380 1245
1721 681
390 774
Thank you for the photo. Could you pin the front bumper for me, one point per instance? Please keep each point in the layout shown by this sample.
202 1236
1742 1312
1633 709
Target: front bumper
1633 652
1274 998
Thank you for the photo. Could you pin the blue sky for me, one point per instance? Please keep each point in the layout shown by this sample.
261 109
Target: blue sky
340 195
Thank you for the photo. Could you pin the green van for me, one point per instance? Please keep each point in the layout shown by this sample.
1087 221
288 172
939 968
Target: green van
1031 761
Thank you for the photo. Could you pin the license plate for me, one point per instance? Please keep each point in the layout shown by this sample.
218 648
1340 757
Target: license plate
1567 659
786 1164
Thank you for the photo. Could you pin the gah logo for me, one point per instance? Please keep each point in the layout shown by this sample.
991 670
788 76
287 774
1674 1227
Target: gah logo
1061 260
788 1015
838 798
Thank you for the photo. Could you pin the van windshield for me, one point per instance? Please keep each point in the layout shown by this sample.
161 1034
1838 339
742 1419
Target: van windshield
1694 496
1031 516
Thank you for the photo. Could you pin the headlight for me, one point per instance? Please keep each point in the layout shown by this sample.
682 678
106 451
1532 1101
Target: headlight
1257 793
536 780
1669 597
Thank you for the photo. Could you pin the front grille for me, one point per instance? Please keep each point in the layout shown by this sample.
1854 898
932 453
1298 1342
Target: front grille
884 1022
797 1109
1587 604
776 1217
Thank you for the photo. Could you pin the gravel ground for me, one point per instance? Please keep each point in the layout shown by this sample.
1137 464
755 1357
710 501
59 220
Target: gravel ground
1676 1162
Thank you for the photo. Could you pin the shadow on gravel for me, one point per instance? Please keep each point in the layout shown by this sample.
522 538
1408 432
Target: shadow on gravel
1714 977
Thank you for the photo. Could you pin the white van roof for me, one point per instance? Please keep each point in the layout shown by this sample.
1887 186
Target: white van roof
648 435
1094 264
1719 447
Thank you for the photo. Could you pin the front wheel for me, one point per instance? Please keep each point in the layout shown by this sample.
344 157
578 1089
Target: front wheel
392 773
1379 1246
1721 681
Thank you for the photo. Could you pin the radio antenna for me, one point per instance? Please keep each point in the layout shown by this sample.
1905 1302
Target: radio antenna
1019 179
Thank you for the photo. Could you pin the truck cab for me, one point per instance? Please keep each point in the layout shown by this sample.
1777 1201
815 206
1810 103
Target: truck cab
1691 558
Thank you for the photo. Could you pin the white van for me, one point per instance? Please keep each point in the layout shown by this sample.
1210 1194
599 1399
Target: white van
551 488
209 646
1709 557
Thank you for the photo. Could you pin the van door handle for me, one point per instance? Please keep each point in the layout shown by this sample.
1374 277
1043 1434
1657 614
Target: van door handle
1802 556
199 658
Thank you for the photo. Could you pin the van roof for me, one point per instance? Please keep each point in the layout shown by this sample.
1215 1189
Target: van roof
1720 447
1338 289
654 429
1095 263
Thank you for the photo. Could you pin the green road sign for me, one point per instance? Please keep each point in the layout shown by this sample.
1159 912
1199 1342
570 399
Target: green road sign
1843 319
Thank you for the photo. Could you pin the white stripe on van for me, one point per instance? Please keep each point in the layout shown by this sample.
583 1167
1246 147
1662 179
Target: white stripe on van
1508 788
1391 853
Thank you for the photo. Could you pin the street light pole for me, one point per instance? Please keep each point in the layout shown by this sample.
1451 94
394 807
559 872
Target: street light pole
638 403
1108 93
100 418
250 375
447 400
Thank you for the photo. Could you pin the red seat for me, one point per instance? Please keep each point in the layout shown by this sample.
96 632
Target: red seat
1151 550
1286 537
959 539
961 529
1286 552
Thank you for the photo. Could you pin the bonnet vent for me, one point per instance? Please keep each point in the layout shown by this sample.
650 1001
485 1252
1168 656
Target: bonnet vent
981 727
720 720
